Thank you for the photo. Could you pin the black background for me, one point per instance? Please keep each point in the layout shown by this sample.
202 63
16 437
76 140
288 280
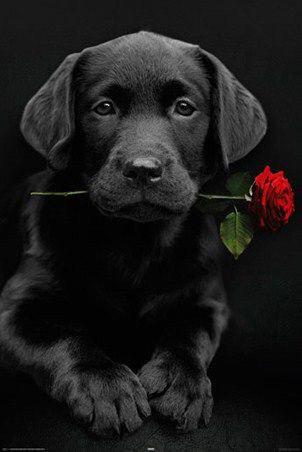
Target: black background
260 42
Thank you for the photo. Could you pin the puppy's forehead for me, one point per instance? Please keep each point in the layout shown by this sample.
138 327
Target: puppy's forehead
141 59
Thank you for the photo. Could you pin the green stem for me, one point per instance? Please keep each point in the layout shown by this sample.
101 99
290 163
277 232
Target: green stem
58 193
221 196
80 192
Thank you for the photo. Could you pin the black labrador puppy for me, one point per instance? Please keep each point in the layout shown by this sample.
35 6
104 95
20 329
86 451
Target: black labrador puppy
128 273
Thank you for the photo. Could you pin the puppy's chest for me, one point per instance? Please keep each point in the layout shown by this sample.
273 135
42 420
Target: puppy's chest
120 276
125 288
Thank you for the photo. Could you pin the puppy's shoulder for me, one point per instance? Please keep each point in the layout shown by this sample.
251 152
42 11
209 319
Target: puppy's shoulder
14 202
207 235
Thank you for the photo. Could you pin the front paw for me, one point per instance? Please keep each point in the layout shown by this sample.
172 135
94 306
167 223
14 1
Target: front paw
178 389
106 401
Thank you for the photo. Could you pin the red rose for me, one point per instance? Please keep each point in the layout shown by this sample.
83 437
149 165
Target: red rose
272 200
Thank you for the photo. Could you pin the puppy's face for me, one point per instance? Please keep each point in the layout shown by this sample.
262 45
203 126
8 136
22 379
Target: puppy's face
142 115
146 119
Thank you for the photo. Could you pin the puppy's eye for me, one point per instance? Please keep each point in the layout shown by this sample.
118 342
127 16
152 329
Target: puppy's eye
184 108
105 108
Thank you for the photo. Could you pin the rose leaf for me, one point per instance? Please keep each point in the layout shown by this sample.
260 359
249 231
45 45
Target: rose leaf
239 183
236 232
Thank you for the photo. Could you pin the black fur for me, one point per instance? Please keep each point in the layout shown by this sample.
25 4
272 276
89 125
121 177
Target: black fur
126 276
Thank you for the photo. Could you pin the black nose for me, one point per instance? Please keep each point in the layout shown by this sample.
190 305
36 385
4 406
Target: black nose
143 170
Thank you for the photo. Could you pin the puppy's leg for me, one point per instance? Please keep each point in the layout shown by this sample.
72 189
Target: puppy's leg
42 338
176 376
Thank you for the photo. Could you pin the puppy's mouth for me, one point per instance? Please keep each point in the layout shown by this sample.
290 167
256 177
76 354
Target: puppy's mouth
143 211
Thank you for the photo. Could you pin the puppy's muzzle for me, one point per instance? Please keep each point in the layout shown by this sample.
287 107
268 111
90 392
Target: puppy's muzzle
143 171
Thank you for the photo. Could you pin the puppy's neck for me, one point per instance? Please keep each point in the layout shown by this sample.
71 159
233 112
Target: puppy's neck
134 247
160 234
170 231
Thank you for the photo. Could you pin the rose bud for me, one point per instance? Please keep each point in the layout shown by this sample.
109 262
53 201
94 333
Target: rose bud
273 200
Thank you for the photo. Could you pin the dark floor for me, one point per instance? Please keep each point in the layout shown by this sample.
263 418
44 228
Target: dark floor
247 417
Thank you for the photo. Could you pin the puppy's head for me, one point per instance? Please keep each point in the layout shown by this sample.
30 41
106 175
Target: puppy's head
147 119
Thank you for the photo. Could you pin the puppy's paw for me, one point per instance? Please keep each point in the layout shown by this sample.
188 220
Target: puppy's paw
106 401
179 390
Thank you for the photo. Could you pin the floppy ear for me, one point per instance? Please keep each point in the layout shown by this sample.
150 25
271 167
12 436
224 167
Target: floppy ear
238 122
48 119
